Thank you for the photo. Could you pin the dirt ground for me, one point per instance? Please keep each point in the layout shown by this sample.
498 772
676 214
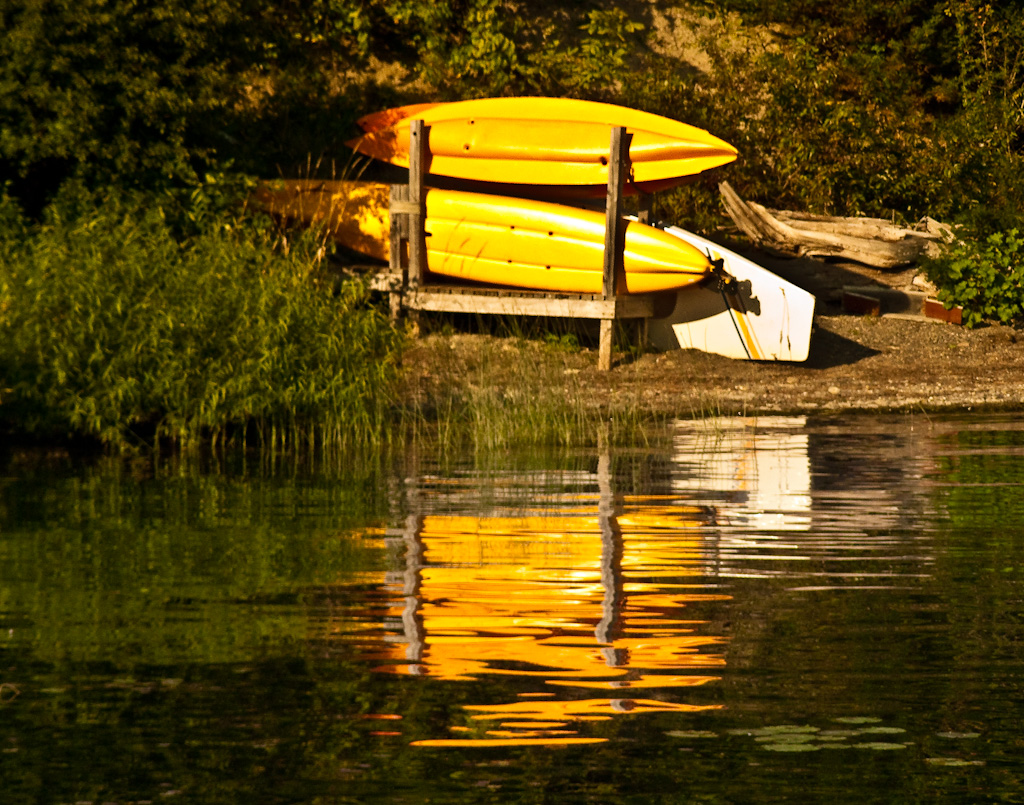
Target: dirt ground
856 363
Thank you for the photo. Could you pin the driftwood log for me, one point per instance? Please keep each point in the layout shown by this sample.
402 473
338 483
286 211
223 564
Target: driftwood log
871 241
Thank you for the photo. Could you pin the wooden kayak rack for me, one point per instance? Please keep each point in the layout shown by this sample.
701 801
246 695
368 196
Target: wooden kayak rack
406 280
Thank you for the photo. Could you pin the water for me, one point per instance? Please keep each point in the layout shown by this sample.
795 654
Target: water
773 610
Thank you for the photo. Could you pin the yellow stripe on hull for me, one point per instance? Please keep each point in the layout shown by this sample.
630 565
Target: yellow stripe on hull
541 141
493 239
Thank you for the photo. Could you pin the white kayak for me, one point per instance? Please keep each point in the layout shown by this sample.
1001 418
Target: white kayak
755 316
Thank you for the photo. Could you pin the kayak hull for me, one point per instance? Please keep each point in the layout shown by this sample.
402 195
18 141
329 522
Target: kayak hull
763 318
543 141
495 240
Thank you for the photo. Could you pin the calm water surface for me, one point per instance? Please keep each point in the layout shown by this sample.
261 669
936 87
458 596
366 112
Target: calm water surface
770 610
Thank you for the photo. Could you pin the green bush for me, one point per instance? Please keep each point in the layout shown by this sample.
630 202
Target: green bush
478 48
135 315
155 94
985 277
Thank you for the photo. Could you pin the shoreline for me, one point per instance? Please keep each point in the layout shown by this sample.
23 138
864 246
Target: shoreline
856 365
538 383
888 363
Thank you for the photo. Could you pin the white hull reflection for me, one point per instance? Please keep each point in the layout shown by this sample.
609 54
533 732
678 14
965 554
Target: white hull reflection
756 472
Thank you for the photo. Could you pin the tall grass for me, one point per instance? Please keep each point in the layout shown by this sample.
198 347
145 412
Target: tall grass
129 318
138 320
540 408
521 393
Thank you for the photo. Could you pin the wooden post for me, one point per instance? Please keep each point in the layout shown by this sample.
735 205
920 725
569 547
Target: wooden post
417 235
614 236
615 227
604 347
399 194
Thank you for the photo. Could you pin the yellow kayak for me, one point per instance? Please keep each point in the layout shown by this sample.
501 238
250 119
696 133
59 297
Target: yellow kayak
542 141
493 239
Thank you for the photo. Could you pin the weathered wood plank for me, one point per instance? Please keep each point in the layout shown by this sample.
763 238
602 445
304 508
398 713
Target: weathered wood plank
604 352
752 226
399 194
872 228
417 236
623 307
393 280
615 226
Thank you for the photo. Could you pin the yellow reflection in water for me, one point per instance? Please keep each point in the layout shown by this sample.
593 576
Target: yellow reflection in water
593 595
604 708
545 741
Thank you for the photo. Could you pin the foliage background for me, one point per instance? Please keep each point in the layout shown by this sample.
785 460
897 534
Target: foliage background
894 109
907 108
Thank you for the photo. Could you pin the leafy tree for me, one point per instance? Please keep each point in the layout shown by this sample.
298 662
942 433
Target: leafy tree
147 92
478 48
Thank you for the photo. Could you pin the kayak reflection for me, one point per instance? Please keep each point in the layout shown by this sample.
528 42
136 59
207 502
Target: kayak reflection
591 593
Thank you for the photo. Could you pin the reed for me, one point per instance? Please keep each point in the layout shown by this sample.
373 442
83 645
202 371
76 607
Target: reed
521 393
136 319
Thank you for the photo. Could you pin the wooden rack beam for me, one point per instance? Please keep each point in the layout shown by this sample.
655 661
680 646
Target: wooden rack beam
445 299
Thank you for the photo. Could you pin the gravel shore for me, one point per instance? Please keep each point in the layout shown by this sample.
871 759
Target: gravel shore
856 363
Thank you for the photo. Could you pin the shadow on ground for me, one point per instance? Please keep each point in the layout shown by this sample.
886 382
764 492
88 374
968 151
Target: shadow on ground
829 350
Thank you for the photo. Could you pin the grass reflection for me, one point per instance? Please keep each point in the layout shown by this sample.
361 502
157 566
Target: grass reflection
104 566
